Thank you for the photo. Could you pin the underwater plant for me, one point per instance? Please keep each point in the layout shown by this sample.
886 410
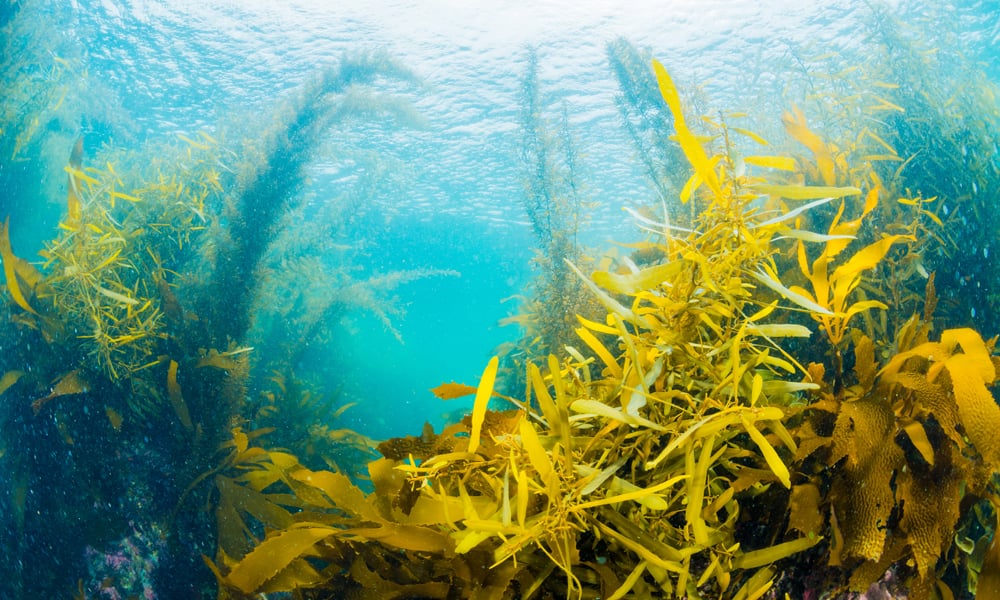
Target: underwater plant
645 118
125 344
557 210
664 463
267 183
625 482
769 388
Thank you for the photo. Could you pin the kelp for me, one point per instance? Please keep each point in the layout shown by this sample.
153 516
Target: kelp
596 456
556 207
636 469
127 333
685 439
265 185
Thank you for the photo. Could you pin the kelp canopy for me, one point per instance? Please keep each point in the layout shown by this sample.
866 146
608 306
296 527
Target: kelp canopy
131 345
772 394
692 455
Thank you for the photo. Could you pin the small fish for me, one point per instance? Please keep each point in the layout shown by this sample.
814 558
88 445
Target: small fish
114 417
68 384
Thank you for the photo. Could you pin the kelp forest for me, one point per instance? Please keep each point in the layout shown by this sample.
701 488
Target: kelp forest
780 386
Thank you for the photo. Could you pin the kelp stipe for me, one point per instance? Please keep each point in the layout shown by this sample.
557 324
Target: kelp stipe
267 182
645 118
554 202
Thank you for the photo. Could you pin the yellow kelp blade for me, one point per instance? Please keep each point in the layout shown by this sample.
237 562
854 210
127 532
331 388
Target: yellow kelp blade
977 408
404 537
918 437
9 378
976 352
792 213
753 136
483 393
9 268
537 455
629 582
698 471
68 384
609 360
804 192
770 455
758 585
117 297
176 398
689 143
784 163
609 303
638 494
596 407
795 124
778 330
340 490
768 280
847 276
813 237
299 574
765 556
272 555
633 283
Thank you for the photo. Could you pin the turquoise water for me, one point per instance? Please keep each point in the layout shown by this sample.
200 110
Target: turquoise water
155 69
450 182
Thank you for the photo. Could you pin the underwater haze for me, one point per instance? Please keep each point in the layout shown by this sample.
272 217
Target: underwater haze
468 300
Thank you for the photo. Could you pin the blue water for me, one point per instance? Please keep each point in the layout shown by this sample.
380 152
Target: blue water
450 195
161 68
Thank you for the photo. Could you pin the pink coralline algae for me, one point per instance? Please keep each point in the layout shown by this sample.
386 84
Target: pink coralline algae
125 569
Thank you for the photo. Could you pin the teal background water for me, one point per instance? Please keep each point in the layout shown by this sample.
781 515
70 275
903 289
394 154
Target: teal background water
451 199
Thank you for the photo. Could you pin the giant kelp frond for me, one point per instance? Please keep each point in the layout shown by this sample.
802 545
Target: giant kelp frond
645 118
273 169
556 208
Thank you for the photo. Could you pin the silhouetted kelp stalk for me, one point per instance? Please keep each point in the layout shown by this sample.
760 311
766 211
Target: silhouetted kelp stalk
554 202
645 119
267 185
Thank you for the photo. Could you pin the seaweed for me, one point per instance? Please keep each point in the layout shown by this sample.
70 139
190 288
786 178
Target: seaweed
265 187
135 343
664 462
554 203
625 481
679 433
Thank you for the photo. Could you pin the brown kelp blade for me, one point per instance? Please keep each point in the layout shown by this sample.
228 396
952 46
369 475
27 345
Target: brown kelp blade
68 384
13 267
